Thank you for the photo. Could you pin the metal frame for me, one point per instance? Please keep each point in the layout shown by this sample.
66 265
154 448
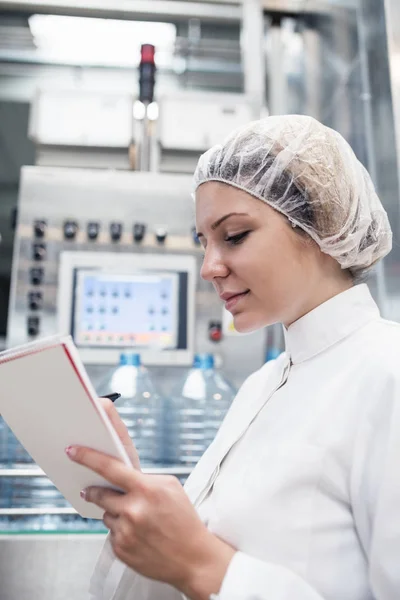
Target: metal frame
226 11
36 472
392 13
176 10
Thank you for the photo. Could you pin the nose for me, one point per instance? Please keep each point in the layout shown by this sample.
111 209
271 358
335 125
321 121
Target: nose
213 265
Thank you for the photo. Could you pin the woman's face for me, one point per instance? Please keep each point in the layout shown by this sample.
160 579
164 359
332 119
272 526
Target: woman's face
262 270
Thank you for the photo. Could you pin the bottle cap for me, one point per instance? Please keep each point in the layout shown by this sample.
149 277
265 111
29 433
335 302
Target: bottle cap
130 358
203 361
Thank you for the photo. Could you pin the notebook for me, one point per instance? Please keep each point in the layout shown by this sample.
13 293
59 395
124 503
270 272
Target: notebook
49 403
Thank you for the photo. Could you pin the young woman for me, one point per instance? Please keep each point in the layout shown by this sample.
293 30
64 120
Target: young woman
298 497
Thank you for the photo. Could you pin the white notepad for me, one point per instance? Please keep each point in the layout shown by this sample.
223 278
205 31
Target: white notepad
48 401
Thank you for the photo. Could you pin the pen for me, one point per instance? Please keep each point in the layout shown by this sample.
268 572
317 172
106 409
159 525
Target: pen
112 397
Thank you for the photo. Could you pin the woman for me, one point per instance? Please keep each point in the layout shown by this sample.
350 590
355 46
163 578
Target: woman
298 496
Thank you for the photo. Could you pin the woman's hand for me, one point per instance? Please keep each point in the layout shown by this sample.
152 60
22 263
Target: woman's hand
122 431
154 527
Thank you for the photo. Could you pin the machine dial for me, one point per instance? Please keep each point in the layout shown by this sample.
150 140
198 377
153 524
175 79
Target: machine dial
70 230
39 251
161 235
115 231
36 275
39 228
93 230
35 300
139 230
33 326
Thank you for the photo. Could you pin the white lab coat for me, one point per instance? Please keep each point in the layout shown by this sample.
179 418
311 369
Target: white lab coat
303 477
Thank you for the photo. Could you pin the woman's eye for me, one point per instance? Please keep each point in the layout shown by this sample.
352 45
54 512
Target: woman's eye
237 239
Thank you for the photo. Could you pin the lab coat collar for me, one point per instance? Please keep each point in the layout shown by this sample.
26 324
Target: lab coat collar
330 323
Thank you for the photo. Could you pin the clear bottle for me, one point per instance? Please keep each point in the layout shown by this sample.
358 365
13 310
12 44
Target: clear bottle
195 411
13 456
4 453
5 484
23 492
33 491
140 407
18 456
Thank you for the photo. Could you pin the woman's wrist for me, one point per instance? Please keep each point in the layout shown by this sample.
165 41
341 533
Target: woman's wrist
205 575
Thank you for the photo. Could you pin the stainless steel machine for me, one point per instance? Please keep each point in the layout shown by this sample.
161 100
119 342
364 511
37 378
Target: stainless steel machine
78 226
89 243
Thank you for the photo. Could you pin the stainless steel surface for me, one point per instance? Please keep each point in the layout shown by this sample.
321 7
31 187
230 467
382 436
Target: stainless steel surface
56 195
307 6
47 567
393 30
384 119
159 10
224 10
252 40
335 68
177 150
381 288
277 78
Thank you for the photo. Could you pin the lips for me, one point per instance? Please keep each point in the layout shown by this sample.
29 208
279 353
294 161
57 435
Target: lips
232 300
226 296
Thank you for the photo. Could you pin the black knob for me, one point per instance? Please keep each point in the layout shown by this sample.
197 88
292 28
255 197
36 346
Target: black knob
70 230
139 229
35 300
33 326
39 251
115 231
39 228
161 235
36 275
93 229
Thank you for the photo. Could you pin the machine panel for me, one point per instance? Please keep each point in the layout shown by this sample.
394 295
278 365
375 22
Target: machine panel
110 302
139 220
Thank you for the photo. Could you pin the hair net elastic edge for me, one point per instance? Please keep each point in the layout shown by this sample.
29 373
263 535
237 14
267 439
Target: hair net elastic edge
291 220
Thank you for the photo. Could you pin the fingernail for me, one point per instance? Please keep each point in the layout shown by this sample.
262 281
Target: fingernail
83 494
71 451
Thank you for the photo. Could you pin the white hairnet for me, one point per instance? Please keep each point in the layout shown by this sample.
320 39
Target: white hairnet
309 173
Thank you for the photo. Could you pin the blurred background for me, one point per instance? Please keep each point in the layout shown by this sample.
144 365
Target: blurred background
105 107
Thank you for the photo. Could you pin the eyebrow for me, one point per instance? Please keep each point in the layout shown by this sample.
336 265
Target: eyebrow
217 223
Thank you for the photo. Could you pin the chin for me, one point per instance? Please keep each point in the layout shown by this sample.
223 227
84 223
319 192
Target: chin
245 323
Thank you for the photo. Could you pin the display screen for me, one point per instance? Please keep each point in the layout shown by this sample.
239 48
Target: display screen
112 310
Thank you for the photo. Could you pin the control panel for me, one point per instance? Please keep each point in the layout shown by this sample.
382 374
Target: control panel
111 302
121 276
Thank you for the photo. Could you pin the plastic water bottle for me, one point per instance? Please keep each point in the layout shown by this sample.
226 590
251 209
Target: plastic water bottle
18 456
4 457
195 411
23 492
12 456
140 407
4 482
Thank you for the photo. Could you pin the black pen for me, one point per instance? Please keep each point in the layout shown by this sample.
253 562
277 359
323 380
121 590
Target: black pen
112 397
